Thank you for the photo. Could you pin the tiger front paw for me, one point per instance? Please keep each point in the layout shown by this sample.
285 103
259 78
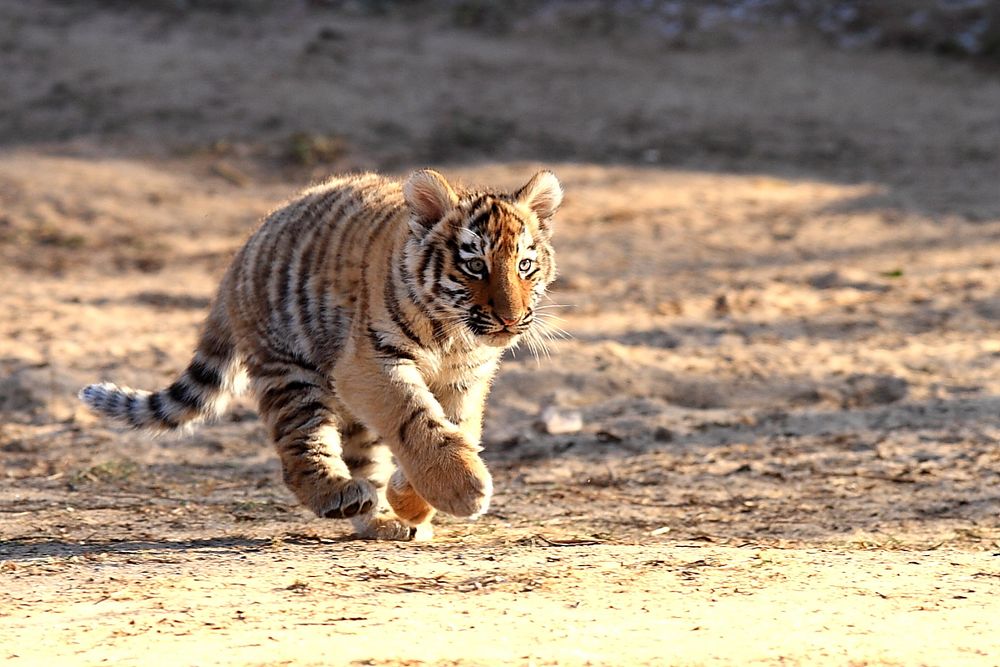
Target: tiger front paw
455 479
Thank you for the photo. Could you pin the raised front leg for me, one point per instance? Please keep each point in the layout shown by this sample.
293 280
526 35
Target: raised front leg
463 404
464 401
437 458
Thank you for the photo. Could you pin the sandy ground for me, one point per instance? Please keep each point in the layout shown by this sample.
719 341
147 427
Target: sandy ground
779 267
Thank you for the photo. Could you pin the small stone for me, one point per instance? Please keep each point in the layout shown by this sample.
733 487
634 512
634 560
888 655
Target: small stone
663 434
556 421
869 390
824 280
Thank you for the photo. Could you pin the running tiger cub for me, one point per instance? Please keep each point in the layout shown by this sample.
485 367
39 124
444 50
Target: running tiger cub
369 317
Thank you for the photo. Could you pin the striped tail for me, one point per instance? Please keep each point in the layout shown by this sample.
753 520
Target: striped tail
202 390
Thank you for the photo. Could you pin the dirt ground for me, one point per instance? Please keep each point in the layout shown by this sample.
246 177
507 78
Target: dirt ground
779 267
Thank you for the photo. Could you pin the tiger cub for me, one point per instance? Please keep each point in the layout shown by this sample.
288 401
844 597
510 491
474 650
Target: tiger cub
369 317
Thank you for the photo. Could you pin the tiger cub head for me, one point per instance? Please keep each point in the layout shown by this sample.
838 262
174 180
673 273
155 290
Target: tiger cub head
482 259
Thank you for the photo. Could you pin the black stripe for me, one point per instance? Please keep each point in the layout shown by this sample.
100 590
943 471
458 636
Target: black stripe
275 238
308 221
425 259
299 416
119 401
131 408
511 212
180 392
480 202
404 428
307 269
479 223
355 462
296 448
344 227
352 429
159 413
204 374
298 385
388 349
318 261
347 239
295 359
272 397
428 267
438 268
215 347
396 311
419 304
377 233
456 258
279 366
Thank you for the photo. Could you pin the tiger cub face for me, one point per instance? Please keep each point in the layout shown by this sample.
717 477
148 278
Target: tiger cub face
483 260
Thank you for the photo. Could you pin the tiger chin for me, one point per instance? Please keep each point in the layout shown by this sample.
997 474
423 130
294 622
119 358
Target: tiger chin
367 319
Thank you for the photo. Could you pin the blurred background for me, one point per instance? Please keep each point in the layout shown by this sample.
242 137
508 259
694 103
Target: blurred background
778 248
854 90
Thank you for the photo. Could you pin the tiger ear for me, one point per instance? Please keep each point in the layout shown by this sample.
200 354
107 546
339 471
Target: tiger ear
542 194
429 197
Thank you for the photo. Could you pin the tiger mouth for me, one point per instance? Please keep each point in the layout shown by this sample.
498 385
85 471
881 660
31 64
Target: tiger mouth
487 325
492 331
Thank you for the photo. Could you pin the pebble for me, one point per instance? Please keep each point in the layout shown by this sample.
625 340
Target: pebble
558 421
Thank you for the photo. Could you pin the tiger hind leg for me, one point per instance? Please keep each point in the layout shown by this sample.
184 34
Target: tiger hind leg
369 458
296 407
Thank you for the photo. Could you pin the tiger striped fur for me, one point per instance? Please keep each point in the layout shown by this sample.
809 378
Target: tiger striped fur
369 317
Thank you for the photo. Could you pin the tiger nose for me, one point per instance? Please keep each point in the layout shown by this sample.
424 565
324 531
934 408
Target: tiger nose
509 320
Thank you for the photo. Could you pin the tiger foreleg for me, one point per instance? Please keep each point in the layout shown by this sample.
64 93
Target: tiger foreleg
436 457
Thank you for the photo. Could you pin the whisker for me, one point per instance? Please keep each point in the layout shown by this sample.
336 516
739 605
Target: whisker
553 330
